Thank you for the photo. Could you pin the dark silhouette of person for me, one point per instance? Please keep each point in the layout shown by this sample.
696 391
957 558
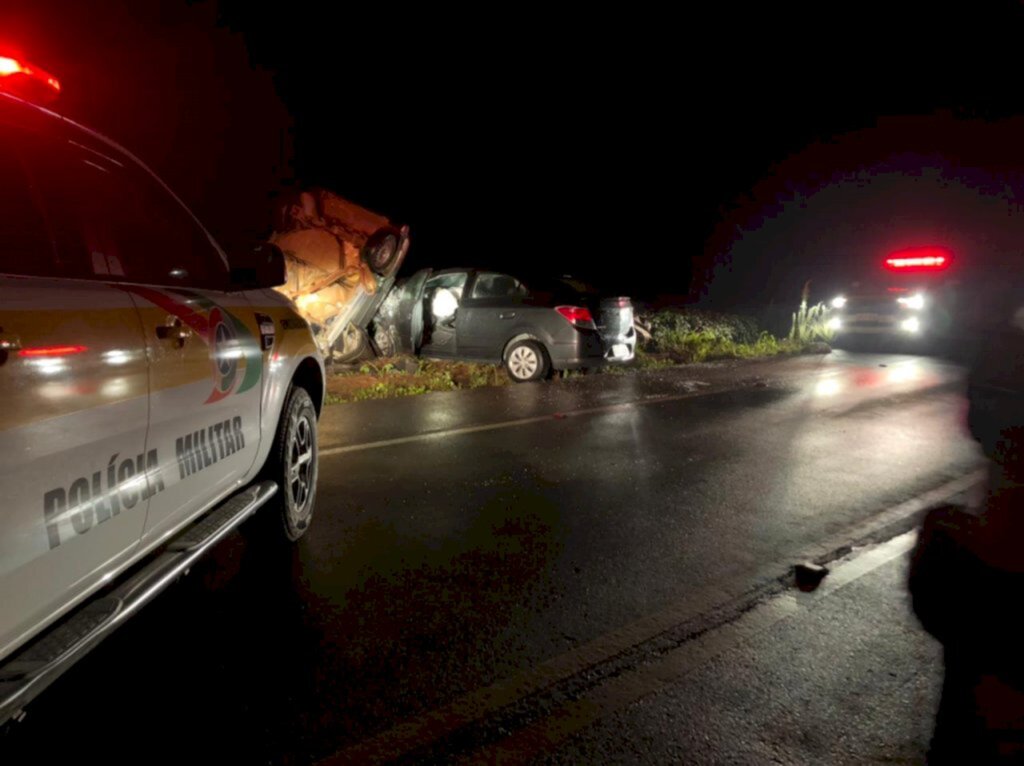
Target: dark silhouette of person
967 575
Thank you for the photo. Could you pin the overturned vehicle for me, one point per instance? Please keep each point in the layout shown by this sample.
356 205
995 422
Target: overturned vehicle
341 262
532 326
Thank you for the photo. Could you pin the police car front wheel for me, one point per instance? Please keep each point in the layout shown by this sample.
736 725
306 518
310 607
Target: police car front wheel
292 463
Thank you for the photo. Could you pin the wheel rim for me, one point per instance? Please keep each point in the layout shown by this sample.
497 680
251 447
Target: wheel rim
383 252
523 362
300 464
385 343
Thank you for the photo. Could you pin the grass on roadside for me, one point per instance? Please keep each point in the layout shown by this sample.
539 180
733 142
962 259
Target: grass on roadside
693 335
390 378
643 360
706 346
675 337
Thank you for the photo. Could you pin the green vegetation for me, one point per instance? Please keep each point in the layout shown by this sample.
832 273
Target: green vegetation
669 337
670 326
691 335
465 374
390 378
644 360
810 323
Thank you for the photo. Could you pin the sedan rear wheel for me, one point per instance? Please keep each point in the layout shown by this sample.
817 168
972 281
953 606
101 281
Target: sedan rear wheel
526 361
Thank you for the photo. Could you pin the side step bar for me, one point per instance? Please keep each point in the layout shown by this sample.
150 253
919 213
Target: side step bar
34 667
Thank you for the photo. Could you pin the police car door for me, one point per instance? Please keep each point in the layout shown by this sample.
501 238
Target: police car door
73 396
206 362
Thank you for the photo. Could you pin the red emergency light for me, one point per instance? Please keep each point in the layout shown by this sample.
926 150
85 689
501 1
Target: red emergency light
27 81
919 259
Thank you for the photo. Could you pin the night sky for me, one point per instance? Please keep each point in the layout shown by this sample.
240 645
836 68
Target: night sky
730 154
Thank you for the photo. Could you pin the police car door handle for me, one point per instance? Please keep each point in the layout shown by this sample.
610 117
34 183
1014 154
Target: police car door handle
507 315
175 331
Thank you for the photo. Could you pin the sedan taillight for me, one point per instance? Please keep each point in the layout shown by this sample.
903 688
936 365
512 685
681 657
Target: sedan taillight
577 316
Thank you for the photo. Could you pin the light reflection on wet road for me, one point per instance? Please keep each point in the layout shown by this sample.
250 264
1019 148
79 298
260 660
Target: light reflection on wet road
440 564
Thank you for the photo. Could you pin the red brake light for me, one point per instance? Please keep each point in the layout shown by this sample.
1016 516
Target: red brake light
36 351
27 80
919 259
578 316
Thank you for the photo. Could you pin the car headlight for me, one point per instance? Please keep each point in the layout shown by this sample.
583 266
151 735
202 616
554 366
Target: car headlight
915 302
835 323
912 324
839 301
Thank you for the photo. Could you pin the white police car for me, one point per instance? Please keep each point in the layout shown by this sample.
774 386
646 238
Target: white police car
154 394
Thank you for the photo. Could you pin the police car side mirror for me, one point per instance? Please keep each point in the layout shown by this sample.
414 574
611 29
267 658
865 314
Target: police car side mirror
263 266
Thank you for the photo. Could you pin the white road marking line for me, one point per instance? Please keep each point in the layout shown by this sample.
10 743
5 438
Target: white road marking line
861 563
615 694
655 399
512 423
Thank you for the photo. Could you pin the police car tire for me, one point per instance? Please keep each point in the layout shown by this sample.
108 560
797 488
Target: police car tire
283 513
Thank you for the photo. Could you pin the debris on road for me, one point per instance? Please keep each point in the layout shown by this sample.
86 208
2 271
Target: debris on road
808 575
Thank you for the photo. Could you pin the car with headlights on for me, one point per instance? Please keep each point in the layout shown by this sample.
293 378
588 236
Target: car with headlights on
908 301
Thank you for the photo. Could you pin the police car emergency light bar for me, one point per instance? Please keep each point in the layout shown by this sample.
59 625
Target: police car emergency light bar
919 259
20 78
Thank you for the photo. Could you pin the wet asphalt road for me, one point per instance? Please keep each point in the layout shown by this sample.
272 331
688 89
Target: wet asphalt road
842 675
518 536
